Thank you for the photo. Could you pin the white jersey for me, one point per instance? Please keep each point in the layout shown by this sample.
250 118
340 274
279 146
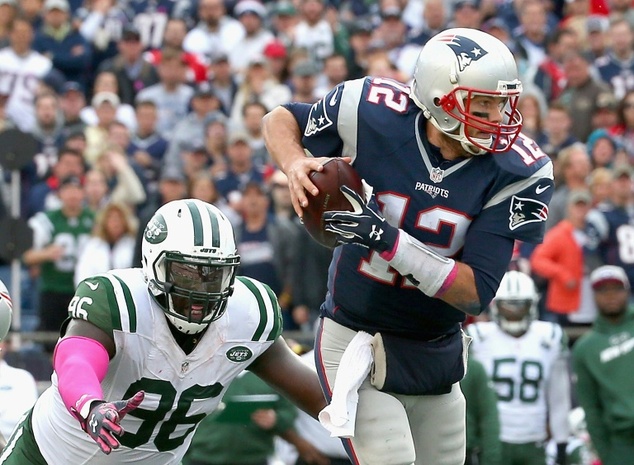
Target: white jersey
180 389
520 369
20 78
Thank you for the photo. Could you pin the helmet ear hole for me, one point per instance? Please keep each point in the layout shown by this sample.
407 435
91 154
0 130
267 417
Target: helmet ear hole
447 102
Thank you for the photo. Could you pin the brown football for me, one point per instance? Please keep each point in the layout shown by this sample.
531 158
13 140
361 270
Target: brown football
336 173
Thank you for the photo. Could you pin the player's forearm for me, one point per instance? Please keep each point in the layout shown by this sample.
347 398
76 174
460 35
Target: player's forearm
433 274
282 137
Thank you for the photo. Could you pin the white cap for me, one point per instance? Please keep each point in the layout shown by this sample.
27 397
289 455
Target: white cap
609 274
252 6
56 4
102 97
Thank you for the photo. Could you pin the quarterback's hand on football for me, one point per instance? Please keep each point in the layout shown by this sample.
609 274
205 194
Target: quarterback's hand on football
362 226
103 422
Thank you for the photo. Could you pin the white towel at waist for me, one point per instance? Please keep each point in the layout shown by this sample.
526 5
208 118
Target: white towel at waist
340 416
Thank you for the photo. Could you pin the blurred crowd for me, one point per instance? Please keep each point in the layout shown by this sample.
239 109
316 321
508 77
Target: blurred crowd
135 103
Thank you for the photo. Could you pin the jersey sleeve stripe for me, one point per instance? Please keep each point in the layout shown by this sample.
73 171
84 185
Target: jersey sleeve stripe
122 309
129 304
197 223
269 323
277 317
348 118
215 228
545 171
112 303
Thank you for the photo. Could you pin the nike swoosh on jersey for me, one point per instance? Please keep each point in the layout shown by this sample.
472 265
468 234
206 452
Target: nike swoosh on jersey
540 189
92 286
333 99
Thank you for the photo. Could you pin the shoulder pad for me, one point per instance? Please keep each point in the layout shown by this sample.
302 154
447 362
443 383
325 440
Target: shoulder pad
105 301
262 309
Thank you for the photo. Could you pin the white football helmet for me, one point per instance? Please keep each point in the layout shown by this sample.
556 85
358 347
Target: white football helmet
514 306
453 67
6 310
190 262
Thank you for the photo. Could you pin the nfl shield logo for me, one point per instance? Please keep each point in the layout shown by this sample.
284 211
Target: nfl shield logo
436 175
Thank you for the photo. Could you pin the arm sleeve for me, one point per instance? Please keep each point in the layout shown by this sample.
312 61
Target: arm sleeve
81 364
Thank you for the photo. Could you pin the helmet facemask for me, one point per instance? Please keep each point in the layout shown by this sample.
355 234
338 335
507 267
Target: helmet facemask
195 290
514 316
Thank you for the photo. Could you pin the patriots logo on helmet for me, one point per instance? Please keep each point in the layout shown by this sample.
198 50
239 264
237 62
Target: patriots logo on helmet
524 211
466 50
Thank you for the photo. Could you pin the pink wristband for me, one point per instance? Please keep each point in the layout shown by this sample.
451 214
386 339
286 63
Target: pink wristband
451 277
81 364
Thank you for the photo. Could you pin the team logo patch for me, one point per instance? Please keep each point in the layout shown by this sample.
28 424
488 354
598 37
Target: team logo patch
318 119
156 230
466 50
239 354
524 211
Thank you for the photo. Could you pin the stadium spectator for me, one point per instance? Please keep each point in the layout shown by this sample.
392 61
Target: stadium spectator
616 67
57 39
258 84
96 190
466 13
224 82
611 226
111 245
240 168
251 14
8 12
434 20
557 130
252 114
133 73
190 131
304 75
58 238
600 185
72 100
602 363
203 187
170 95
101 23
572 167
313 32
43 196
565 259
335 71
106 81
21 68
147 146
123 182
175 32
581 94
624 128
215 33
105 105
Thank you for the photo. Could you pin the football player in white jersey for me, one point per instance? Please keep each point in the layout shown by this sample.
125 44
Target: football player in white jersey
152 350
527 361
5 324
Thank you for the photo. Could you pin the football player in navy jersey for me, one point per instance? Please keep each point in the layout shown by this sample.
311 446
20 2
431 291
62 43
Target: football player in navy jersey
455 184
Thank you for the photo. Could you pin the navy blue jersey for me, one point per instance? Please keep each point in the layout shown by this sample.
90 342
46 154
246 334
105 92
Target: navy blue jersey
619 74
612 229
484 202
150 18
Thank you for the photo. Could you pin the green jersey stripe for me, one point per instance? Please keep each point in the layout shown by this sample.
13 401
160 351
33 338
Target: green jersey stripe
215 228
127 314
129 304
277 315
198 223
261 305
112 303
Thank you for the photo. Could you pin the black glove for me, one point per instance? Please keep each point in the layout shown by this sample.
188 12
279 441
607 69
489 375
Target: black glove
562 455
103 421
362 226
